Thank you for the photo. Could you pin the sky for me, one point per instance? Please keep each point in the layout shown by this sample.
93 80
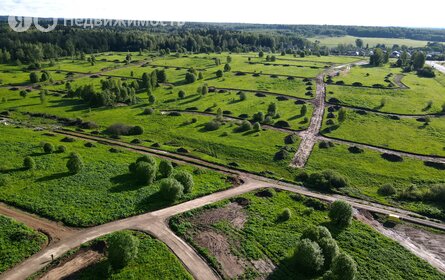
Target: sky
427 13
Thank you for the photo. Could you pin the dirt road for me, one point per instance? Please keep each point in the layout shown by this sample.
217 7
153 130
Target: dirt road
309 136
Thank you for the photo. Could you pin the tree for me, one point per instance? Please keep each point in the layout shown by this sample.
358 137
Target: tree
200 76
165 169
257 127
344 267
359 43
151 99
186 180
161 76
242 96
23 93
146 81
42 96
48 148
258 117
29 163
171 189
342 115
154 78
418 60
190 78
75 163
227 68
204 89
377 57
181 94
303 110
245 126
229 59
309 256
341 213
33 77
316 233
145 172
147 158
272 110
330 250
261 54
326 180
44 77
219 73
123 247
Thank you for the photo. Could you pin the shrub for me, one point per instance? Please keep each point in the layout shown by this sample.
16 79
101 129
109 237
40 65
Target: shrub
256 126
29 163
355 150
290 139
148 111
165 169
283 124
344 267
392 157
190 78
281 154
171 189
68 140
326 180
316 233
181 94
341 213
146 158
75 163
118 129
309 256
245 126
387 190
219 73
122 248
212 125
136 130
145 172
186 180
285 215
330 250
48 148
436 193
426 72
325 144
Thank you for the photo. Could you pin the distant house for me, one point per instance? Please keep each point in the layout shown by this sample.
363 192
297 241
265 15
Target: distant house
395 54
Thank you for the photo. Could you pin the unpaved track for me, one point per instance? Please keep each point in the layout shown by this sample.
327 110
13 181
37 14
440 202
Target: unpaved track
309 136
53 230
436 66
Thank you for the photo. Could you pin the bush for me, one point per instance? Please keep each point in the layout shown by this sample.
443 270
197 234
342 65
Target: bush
325 144
344 267
309 256
290 139
285 215
148 111
68 140
171 189
48 148
145 172
330 250
283 124
341 213
118 129
355 150
256 126
146 158
136 130
392 157
245 126
181 94
426 72
437 194
29 163
219 73
316 233
212 125
186 180
326 180
387 190
75 163
122 248
165 169
281 155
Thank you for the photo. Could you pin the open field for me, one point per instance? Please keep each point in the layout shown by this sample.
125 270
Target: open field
397 134
102 192
368 171
389 42
17 242
244 238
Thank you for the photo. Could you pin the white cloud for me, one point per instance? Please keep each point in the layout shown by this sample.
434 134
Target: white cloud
376 12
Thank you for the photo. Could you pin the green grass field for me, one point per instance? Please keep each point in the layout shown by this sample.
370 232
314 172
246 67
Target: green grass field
406 134
103 191
262 237
389 42
154 261
368 171
17 242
